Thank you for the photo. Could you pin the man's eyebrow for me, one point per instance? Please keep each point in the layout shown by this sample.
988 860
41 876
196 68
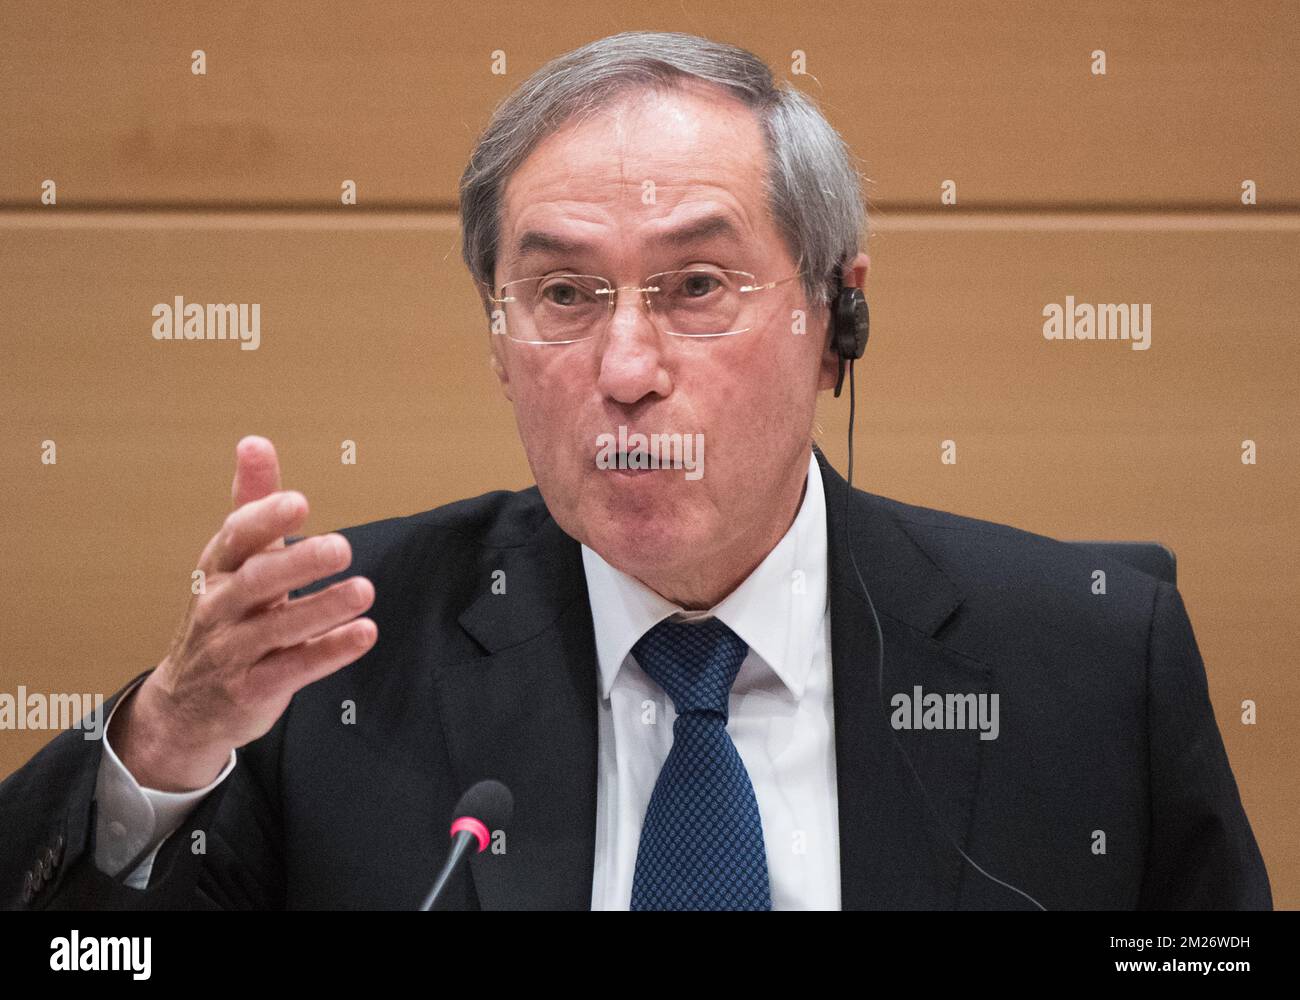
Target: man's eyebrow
701 229
536 242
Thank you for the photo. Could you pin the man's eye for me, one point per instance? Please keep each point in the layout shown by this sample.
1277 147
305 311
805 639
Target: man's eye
560 294
698 285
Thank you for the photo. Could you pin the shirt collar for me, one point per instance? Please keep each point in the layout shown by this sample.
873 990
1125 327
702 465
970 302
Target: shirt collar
777 609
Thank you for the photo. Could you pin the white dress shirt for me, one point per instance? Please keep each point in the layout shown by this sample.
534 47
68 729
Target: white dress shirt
781 721
781 715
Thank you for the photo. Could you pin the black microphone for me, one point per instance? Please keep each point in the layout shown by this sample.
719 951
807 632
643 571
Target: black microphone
485 807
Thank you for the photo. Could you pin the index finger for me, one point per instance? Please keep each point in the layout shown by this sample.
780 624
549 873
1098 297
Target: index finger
252 528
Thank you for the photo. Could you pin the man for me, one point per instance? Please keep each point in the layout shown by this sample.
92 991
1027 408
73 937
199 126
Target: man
675 666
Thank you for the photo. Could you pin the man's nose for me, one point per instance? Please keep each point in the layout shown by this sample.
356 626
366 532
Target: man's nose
632 353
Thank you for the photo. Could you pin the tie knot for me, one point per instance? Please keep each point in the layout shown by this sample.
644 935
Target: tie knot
696 664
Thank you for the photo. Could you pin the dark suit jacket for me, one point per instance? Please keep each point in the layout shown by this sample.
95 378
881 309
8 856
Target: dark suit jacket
1105 725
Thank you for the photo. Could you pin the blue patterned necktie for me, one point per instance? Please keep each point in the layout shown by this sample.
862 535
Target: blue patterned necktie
702 841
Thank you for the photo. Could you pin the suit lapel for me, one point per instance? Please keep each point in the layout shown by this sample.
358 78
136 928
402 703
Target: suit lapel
894 853
525 714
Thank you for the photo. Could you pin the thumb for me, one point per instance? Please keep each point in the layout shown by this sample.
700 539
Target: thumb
257 470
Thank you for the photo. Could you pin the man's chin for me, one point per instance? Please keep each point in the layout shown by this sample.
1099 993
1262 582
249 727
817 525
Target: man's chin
644 541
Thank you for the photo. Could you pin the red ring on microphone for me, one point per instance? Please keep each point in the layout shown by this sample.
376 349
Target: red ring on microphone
473 826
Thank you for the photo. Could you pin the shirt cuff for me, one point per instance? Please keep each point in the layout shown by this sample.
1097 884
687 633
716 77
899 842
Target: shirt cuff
130 818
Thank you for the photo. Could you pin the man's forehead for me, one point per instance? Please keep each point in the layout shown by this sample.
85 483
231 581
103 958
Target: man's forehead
650 149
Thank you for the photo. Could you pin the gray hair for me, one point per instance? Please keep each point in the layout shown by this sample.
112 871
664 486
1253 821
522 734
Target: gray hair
813 188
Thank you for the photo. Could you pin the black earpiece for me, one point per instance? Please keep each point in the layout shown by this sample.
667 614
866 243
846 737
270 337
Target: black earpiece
850 325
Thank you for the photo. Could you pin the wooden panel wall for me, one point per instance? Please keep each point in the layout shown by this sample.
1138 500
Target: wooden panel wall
225 187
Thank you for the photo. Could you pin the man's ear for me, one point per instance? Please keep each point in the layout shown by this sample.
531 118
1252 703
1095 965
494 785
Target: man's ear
497 363
857 271
496 359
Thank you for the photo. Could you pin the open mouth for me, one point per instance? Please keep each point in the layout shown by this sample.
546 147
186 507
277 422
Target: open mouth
637 453
628 463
